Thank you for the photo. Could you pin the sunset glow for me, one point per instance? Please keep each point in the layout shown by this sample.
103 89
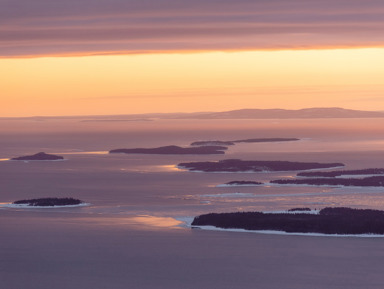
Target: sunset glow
127 57
211 81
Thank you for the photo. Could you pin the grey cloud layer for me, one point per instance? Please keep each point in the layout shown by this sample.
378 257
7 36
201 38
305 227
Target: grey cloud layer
112 26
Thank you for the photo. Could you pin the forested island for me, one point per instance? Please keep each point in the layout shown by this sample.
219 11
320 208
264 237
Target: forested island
334 174
241 183
233 142
38 157
236 165
376 181
49 202
174 150
344 221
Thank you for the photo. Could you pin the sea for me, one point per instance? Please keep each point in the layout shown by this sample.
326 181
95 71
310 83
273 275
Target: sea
135 231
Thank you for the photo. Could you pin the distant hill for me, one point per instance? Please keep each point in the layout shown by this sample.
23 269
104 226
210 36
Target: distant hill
331 112
306 113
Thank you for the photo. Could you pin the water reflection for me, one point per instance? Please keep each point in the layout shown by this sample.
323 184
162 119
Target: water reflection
167 168
157 221
84 153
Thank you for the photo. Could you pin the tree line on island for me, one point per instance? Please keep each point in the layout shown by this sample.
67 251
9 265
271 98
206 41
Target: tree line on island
328 221
49 202
372 177
236 165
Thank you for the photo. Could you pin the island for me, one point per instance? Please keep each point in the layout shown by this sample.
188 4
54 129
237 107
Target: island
236 165
339 220
49 202
213 143
256 140
241 184
233 142
38 157
334 174
377 181
174 150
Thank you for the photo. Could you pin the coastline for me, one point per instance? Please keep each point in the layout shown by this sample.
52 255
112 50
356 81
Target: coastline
270 232
187 223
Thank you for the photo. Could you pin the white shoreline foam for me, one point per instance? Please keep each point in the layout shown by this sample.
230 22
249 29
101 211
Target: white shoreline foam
322 186
238 185
350 191
228 195
271 232
341 176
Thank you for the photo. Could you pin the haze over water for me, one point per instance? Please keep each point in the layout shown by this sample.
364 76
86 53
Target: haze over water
131 235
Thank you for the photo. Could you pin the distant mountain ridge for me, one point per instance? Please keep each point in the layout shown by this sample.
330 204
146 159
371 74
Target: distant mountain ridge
331 112
306 113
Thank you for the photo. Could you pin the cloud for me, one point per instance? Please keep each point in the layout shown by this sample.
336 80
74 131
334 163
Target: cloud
45 27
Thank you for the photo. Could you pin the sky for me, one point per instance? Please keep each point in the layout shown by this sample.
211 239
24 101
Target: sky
139 56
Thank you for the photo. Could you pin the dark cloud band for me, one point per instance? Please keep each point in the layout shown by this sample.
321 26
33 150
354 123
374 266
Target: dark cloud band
41 27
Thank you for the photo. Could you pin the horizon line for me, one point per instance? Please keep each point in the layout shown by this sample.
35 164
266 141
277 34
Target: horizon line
179 112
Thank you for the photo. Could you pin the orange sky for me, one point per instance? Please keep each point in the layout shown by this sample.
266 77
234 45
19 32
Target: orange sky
187 82
185 56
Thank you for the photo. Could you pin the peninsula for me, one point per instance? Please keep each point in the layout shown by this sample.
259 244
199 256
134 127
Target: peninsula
174 150
236 165
49 202
343 221
38 157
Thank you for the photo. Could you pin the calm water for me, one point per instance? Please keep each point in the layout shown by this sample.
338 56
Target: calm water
150 184
127 237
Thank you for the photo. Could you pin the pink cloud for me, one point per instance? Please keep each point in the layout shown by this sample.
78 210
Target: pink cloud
42 27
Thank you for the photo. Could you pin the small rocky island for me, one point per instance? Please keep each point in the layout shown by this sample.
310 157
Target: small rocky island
241 184
174 150
213 143
334 174
38 157
236 165
233 142
377 181
256 140
343 221
49 202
